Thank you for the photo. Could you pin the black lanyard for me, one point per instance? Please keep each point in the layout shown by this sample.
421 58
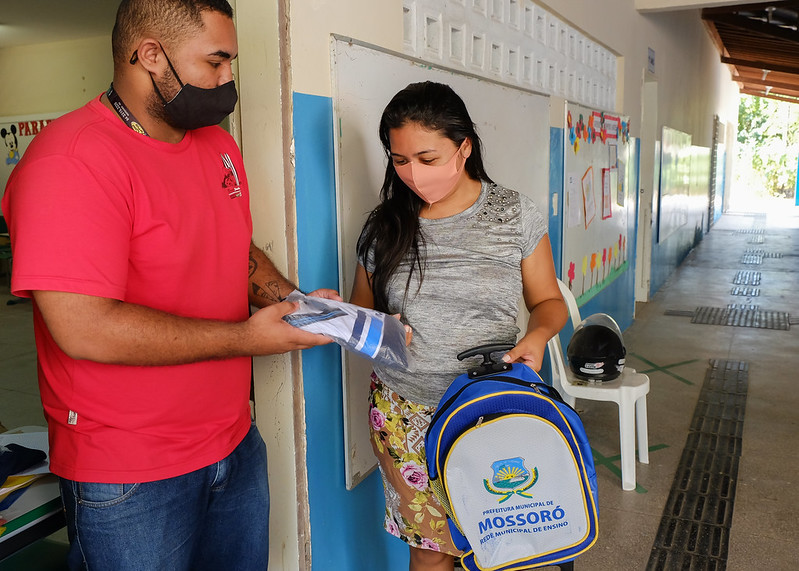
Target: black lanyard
123 112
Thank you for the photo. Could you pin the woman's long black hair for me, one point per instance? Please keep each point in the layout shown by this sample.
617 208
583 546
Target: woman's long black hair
393 226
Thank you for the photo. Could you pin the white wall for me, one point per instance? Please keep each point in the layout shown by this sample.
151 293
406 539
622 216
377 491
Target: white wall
270 33
54 77
692 83
375 21
264 133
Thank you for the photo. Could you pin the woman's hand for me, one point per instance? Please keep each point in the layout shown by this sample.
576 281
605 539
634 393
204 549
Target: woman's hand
408 330
529 350
326 294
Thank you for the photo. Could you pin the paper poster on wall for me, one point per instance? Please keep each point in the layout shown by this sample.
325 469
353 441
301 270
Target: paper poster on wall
607 185
602 126
594 252
611 127
589 206
574 200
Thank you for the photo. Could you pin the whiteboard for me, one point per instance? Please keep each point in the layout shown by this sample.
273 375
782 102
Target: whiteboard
513 125
599 199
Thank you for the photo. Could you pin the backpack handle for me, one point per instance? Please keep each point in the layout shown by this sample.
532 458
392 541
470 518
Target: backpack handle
488 366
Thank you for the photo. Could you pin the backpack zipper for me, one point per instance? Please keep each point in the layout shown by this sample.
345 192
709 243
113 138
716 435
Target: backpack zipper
551 392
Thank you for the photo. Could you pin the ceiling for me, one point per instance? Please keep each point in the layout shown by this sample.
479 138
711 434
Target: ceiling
760 44
24 22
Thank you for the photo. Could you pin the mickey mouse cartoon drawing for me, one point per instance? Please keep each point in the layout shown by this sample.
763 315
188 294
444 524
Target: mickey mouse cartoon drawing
10 139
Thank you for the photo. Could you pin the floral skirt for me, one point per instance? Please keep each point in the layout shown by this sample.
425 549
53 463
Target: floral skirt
413 513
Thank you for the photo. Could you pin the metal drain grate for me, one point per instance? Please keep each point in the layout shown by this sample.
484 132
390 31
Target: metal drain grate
746 291
763 253
742 306
743 316
751 231
747 277
757 239
752 259
694 531
680 312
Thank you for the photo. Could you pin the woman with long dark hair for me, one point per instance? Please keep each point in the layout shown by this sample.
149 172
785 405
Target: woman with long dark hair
453 253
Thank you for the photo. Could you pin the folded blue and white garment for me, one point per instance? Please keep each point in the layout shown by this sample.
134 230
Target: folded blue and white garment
372 334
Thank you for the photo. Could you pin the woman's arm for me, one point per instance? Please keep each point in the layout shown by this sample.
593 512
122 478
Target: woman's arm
548 313
362 289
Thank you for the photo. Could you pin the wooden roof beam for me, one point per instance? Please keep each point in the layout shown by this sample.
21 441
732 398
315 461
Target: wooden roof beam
770 96
715 37
765 82
766 66
755 26
752 6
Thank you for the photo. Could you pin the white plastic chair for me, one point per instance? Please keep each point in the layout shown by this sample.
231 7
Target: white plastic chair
628 391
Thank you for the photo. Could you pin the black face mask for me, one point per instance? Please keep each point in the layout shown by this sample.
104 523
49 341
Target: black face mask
194 107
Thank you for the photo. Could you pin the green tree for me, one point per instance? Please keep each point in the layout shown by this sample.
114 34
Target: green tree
768 144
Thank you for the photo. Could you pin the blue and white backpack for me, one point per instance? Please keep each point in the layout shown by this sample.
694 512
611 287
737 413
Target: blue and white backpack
511 465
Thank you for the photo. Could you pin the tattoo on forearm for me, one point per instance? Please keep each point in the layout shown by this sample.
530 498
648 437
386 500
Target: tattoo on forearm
270 291
253 265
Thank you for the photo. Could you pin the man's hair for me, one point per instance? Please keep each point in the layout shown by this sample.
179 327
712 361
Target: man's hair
169 21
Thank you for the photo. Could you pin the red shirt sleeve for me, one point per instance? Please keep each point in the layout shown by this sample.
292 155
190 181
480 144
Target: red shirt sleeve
70 230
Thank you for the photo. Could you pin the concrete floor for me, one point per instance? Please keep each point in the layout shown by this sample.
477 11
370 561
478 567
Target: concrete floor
675 353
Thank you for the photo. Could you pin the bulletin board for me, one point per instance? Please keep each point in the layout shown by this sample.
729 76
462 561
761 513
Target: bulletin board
16 133
599 199
513 125
675 181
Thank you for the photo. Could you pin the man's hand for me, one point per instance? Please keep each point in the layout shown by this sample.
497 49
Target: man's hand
269 334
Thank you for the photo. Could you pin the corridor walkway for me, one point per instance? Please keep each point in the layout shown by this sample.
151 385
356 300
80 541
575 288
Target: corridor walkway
720 491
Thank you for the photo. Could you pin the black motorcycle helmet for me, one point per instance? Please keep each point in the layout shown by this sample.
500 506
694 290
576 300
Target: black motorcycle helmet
596 350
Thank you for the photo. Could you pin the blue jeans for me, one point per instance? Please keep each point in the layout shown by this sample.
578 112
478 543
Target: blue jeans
213 518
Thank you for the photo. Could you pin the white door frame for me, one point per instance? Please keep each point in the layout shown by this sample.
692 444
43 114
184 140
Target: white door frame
648 186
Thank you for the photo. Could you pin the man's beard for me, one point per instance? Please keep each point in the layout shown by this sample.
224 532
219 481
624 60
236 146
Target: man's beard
155 106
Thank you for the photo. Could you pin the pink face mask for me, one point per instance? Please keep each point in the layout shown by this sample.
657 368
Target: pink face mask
431 182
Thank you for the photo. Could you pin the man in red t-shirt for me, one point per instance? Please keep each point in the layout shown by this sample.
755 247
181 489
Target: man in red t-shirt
131 231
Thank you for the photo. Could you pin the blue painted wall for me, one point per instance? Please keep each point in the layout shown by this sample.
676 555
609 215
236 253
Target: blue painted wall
556 190
346 526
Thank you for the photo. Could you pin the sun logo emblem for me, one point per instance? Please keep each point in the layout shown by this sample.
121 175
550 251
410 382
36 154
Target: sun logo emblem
510 477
